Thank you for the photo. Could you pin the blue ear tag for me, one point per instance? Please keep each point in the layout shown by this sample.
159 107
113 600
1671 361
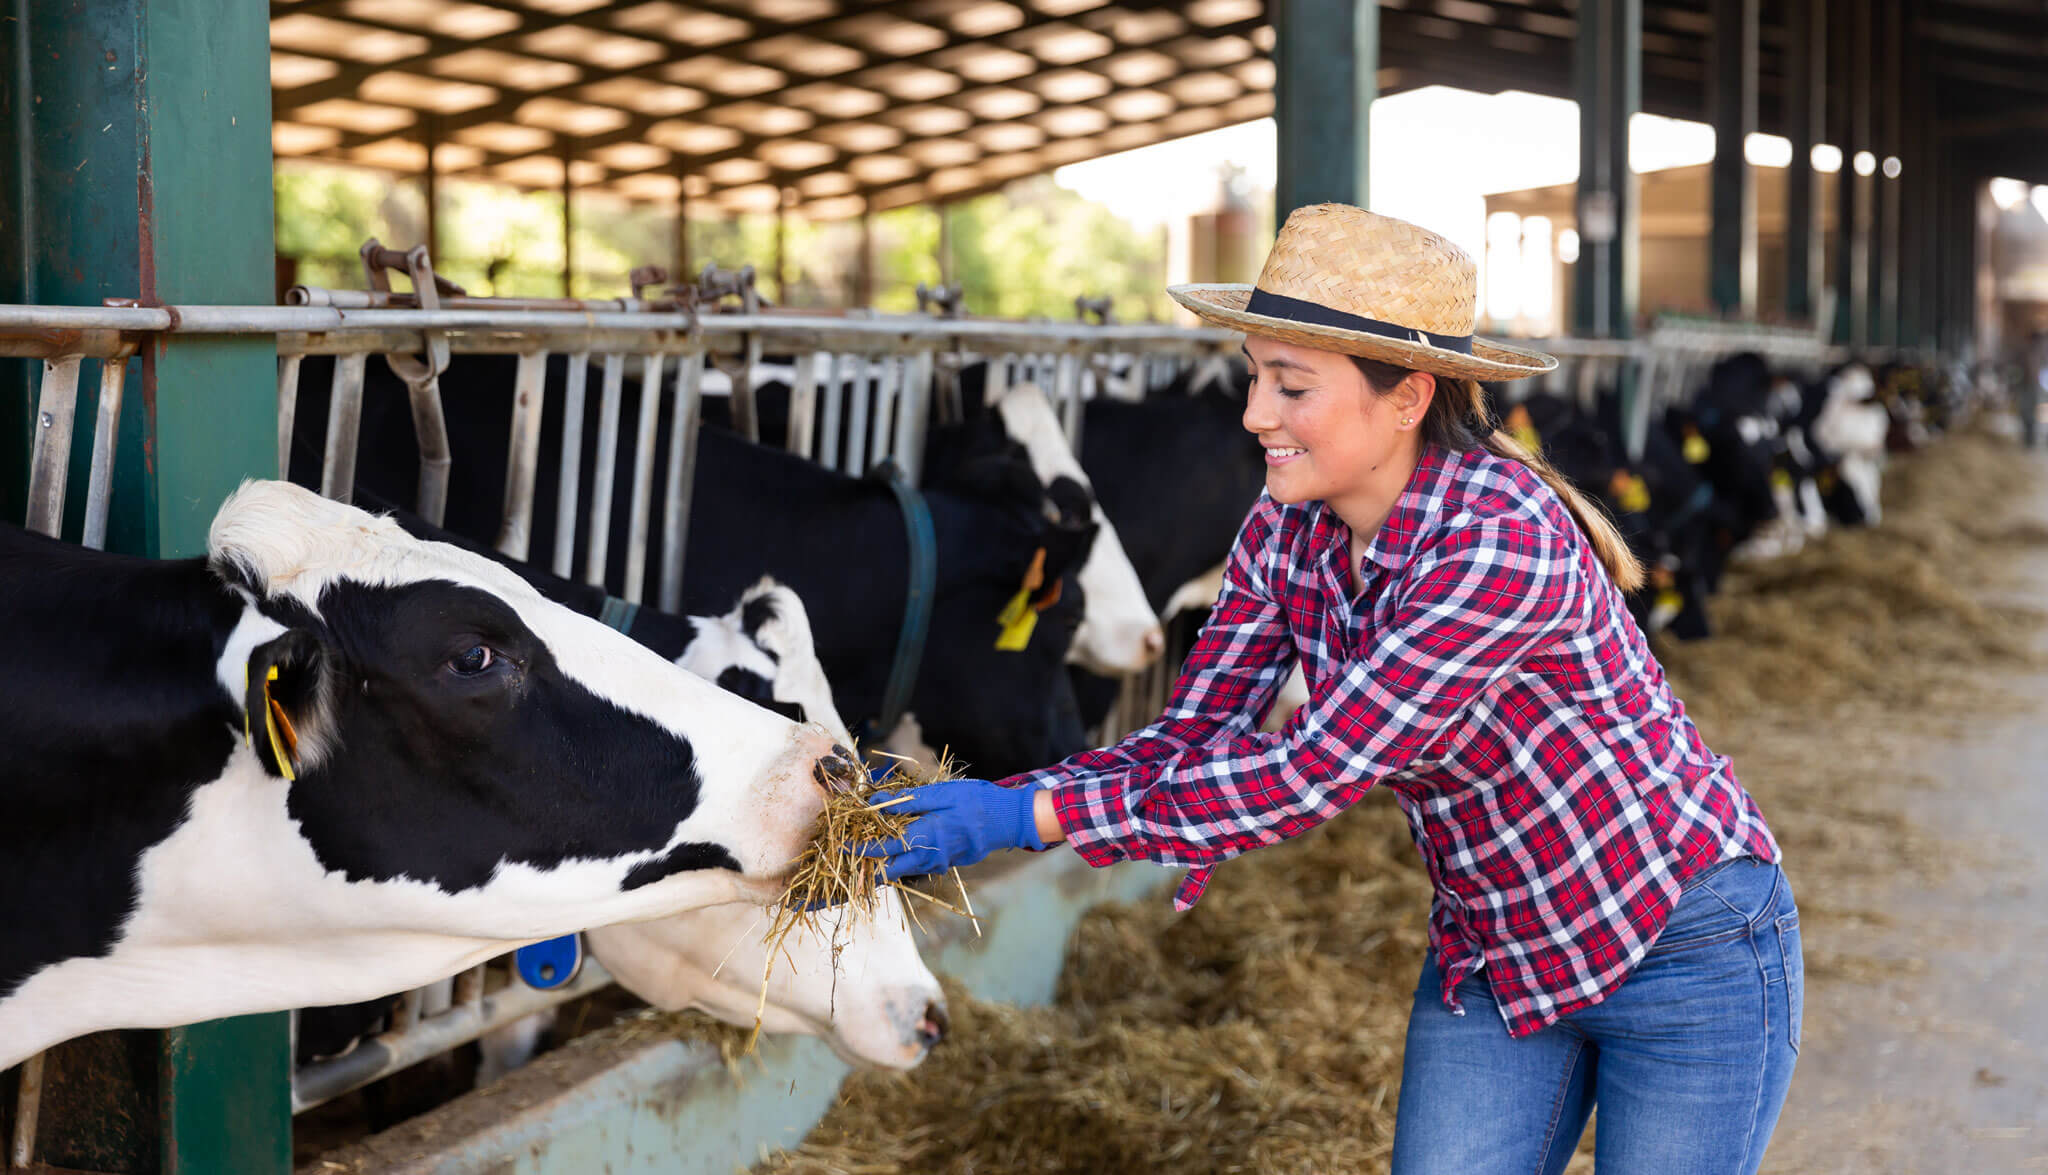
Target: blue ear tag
551 964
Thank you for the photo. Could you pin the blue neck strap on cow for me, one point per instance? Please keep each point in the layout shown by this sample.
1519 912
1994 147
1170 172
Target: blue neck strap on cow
917 606
555 962
619 614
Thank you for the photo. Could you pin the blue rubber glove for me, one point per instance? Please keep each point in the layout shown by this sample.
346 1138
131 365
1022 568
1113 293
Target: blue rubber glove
959 821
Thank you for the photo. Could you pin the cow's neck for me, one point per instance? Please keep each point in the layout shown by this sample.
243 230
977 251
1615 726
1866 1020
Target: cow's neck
117 691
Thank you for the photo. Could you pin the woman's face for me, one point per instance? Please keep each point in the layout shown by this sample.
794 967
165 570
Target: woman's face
1325 430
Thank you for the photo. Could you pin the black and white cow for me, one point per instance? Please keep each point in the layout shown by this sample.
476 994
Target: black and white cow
330 761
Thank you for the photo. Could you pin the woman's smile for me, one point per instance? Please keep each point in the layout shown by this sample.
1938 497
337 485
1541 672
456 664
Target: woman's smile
1278 455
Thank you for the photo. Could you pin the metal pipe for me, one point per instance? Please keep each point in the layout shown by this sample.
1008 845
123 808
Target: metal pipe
430 430
606 471
857 419
803 405
287 409
1067 391
392 1051
469 986
106 435
28 1105
841 374
682 462
522 458
887 385
409 300
344 421
50 453
571 465
209 320
913 414
635 587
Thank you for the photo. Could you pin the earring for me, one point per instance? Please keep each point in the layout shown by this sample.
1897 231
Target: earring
1407 420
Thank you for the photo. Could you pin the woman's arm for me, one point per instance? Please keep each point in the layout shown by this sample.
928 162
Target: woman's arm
1478 605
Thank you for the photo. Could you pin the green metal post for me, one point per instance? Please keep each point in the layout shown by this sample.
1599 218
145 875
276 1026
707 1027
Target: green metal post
1805 100
1327 54
1732 234
1607 71
135 135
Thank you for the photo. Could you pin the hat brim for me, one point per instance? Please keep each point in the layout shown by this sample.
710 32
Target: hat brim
1223 305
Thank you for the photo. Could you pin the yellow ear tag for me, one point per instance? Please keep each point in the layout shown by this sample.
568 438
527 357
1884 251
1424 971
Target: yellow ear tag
1696 449
284 741
1669 600
1523 430
1630 493
1780 480
1018 619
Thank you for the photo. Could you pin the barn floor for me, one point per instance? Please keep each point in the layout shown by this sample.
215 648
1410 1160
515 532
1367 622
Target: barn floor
1883 693
1926 1040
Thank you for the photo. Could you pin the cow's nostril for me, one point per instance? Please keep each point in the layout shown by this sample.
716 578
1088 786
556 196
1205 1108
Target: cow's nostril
1155 641
932 1029
837 770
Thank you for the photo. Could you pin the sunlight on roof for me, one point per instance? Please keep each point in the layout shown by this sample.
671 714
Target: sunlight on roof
1437 152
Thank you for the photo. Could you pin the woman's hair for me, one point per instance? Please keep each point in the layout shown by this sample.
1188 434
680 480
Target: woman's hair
1457 421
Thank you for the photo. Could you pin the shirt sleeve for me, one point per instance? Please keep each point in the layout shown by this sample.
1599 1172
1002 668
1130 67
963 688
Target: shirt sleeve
1470 610
1226 685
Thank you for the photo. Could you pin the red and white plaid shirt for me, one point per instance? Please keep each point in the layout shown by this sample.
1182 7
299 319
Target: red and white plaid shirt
1491 676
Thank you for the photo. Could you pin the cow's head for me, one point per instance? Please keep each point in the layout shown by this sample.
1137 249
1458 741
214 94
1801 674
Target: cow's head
449 732
855 981
1119 632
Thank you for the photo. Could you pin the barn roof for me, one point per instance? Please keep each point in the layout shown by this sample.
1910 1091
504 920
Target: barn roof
829 103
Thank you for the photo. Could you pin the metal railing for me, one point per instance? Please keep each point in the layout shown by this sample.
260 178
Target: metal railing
862 390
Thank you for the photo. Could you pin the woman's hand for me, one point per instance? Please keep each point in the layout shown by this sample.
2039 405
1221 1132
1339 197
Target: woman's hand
959 821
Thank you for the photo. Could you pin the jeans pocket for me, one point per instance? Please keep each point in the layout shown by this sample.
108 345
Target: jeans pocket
1728 901
1795 976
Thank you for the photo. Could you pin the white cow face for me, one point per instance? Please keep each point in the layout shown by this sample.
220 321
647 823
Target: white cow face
493 763
1119 633
856 983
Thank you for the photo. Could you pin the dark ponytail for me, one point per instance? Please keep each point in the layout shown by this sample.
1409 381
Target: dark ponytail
1457 421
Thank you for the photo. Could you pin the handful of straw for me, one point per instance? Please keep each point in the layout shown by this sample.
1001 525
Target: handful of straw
829 873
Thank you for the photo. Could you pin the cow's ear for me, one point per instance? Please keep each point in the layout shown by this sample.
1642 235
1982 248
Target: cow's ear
287 711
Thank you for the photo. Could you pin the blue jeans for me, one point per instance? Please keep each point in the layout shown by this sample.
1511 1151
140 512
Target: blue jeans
1688 1060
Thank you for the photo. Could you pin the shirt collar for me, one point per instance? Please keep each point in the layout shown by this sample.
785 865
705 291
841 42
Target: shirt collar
1400 536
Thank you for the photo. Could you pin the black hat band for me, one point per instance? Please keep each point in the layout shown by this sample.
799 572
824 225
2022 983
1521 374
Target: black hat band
1314 314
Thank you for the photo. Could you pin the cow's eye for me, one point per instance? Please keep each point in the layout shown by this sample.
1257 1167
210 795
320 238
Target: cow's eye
472 662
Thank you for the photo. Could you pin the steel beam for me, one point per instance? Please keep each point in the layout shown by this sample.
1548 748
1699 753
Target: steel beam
1322 49
136 146
1805 100
1608 80
1890 65
1731 248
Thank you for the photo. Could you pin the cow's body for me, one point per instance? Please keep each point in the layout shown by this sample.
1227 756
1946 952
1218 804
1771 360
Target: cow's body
472 767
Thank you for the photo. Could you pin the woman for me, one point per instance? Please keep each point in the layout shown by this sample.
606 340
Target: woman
1607 896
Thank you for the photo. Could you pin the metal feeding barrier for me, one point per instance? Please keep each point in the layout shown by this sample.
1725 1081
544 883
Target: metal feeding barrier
864 388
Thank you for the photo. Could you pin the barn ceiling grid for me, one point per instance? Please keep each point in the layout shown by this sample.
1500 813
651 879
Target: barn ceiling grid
832 106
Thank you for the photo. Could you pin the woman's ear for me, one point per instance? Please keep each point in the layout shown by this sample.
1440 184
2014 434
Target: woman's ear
1411 397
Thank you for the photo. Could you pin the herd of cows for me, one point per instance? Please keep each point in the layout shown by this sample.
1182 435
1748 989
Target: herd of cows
349 753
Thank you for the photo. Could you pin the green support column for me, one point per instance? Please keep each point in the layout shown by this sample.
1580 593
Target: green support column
1887 248
1607 74
1805 99
135 142
1327 58
1731 246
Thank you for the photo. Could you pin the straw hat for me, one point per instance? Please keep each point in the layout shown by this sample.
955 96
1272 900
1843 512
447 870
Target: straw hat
1343 279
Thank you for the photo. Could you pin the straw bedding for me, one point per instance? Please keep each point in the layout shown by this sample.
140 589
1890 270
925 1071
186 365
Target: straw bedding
1262 1031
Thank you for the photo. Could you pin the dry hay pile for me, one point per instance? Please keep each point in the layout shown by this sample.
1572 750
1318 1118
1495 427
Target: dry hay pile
1262 1031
